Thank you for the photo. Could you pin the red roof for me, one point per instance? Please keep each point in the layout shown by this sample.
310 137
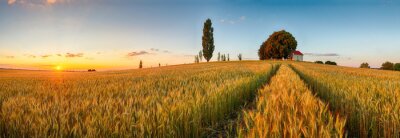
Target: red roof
297 53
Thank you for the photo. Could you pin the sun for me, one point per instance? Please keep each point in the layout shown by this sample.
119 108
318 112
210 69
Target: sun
59 68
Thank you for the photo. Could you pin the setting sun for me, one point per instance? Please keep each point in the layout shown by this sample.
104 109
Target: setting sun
58 68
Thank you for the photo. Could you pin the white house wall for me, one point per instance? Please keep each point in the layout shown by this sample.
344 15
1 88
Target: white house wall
298 57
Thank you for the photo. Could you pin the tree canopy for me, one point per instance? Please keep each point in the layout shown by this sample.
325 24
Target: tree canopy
397 66
387 66
208 40
364 65
279 45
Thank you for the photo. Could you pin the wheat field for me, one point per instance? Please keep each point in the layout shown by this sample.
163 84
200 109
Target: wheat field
217 99
286 108
368 98
175 101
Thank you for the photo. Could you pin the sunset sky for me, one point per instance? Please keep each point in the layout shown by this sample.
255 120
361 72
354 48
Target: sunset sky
116 34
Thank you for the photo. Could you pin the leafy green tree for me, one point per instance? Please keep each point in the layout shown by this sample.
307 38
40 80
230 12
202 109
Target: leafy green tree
240 57
279 45
387 66
201 55
330 63
364 65
140 64
319 62
397 66
208 40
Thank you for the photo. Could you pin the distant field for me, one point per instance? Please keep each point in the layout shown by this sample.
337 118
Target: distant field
202 100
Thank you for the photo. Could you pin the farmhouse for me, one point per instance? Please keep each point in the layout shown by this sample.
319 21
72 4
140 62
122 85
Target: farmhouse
297 56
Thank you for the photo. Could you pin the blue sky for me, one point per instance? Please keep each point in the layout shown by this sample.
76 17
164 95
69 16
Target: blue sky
117 34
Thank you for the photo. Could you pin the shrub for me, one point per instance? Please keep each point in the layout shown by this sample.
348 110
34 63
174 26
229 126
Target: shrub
319 62
330 63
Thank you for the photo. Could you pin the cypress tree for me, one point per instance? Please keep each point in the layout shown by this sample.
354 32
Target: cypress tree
208 40
219 56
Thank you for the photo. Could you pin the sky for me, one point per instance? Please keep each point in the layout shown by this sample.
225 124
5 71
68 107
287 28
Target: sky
117 34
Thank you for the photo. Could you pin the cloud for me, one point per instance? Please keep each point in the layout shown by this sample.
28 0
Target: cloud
51 1
132 54
71 55
242 18
30 56
45 56
322 54
11 2
159 50
154 49
189 55
233 21
9 57
34 3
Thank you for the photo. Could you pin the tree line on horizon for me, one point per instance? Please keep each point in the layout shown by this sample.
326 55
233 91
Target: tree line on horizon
385 66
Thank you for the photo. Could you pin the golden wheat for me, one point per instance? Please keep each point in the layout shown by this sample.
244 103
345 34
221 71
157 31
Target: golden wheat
174 101
369 98
286 108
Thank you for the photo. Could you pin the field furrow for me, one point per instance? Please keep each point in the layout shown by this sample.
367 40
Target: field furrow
287 108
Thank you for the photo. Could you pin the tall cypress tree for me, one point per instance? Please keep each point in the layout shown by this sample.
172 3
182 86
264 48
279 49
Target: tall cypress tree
140 64
208 40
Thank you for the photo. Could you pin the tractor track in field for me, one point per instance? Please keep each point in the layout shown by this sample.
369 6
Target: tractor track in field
227 128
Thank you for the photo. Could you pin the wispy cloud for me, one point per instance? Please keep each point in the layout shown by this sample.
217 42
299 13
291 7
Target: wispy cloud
159 50
132 54
36 3
30 56
154 49
51 1
242 18
9 57
45 56
72 55
11 2
234 20
322 54
189 55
